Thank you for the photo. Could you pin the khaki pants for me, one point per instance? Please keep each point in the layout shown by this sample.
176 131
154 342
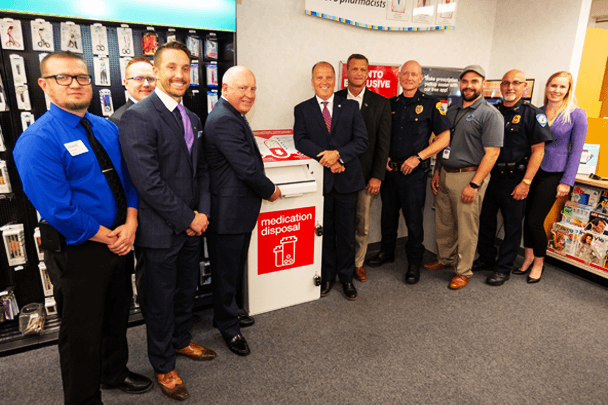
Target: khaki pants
364 203
457 223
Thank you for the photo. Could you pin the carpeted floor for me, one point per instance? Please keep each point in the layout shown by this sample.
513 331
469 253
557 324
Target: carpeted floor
520 343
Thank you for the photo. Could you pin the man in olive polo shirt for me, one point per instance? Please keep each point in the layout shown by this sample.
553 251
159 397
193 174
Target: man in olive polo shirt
462 176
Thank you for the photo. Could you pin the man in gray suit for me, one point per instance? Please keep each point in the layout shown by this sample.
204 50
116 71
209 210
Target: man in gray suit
161 143
139 82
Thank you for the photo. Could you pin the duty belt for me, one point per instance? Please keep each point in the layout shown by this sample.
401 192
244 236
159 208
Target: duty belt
508 170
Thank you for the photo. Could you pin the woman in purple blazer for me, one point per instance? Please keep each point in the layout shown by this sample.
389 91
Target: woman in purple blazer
557 171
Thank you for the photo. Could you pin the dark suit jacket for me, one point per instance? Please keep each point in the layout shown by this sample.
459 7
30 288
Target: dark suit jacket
236 171
115 118
348 136
376 111
170 181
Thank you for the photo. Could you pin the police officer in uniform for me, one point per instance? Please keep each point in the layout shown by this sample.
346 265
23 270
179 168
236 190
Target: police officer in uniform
526 131
415 117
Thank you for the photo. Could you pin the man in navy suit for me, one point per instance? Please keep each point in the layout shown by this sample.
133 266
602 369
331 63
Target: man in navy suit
160 141
330 129
238 185
139 82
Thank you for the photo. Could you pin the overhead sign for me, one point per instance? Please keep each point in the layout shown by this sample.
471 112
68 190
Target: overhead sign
209 14
388 15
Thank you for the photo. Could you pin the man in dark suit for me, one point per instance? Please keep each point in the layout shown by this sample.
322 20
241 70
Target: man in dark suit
330 129
161 145
376 111
238 185
139 82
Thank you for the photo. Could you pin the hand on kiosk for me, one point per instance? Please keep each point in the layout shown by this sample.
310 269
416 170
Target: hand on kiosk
276 195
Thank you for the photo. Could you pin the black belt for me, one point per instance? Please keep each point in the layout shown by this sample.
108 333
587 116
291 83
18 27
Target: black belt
509 170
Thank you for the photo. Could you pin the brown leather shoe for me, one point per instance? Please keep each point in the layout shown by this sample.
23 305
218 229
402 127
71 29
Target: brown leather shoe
436 265
458 282
360 273
196 352
172 386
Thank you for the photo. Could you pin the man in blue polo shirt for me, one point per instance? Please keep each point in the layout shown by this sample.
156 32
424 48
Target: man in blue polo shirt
72 171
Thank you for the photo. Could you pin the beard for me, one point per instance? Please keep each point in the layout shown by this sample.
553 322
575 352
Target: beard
77 106
476 93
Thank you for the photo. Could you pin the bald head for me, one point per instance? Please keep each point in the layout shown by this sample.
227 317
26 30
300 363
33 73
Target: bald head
512 87
410 76
239 87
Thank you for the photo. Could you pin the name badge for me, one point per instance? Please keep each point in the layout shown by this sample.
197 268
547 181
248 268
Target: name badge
76 148
446 153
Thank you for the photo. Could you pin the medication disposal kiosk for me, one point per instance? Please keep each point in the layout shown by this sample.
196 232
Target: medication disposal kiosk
284 259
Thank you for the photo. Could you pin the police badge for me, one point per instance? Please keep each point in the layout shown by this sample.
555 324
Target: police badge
419 109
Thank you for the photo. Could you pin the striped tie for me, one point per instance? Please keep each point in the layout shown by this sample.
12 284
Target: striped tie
326 115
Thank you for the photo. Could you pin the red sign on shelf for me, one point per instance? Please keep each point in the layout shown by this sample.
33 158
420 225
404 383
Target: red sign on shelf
286 239
383 80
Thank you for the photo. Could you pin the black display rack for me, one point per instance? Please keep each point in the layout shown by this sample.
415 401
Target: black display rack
16 208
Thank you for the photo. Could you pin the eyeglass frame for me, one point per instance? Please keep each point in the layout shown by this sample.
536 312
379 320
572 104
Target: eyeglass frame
139 79
515 83
71 81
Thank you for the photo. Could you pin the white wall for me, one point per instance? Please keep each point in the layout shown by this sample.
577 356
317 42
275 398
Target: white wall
538 37
279 43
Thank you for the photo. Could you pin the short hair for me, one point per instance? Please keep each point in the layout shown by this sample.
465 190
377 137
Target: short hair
357 56
60 55
170 45
322 63
569 102
138 59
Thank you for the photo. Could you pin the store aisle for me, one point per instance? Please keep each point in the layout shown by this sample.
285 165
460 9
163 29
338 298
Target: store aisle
543 343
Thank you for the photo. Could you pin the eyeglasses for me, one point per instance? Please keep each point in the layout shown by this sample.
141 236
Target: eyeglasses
66 80
140 79
515 84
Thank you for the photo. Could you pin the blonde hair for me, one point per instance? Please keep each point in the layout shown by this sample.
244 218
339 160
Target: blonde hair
569 102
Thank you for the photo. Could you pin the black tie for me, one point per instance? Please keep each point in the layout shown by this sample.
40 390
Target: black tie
109 171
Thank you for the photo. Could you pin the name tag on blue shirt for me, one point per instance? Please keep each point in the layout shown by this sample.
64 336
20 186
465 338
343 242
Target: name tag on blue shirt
76 148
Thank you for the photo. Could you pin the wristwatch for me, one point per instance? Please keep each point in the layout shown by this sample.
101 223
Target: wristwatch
419 158
473 185
528 182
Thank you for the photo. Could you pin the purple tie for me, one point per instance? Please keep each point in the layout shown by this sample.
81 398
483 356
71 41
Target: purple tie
188 134
326 115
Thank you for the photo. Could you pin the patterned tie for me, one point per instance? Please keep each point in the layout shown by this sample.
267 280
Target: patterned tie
107 167
188 134
326 115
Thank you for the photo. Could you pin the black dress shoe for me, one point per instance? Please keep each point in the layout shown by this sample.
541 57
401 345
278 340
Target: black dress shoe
133 384
479 265
238 345
350 292
498 278
245 320
380 259
412 276
326 287
535 280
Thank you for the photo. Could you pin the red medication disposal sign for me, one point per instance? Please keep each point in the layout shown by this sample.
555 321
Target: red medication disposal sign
286 239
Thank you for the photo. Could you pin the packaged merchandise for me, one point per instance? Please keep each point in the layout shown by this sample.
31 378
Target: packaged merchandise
587 195
591 248
576 214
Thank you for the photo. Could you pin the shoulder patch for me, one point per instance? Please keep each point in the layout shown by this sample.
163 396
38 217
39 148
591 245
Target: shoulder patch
542 119
439 107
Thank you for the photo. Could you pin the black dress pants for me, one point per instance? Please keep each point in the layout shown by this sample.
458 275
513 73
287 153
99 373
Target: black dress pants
498 197
540 201
228 255
405 193
167 282
92 288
